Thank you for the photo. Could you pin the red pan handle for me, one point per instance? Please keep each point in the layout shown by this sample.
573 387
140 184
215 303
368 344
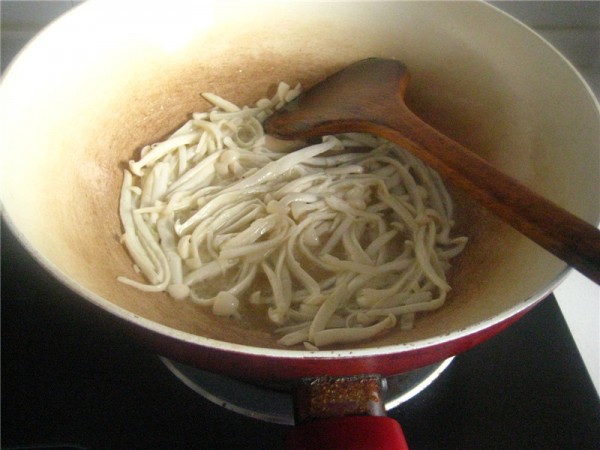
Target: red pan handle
348 433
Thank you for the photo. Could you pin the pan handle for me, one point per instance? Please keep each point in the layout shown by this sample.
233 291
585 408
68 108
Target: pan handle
348 433
343 413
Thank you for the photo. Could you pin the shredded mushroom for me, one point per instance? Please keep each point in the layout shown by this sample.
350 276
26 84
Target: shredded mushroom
337 241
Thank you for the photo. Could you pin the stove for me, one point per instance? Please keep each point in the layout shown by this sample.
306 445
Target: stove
73 377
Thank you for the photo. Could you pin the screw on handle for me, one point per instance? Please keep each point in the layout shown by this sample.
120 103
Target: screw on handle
343 413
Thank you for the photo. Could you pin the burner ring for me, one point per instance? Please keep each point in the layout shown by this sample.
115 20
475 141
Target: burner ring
276 406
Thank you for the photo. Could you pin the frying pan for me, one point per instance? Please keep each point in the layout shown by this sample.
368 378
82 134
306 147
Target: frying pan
96 86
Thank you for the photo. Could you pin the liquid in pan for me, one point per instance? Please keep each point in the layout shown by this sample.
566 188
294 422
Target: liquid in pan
336 242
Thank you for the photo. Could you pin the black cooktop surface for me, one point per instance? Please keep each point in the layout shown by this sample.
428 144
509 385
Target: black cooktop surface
72 377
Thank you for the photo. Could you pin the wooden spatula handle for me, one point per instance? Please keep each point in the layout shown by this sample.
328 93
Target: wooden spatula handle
565 235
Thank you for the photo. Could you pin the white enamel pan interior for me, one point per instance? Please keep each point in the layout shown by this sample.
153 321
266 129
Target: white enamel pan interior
106 79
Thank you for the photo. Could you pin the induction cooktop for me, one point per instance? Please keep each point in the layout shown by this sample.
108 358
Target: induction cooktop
73 377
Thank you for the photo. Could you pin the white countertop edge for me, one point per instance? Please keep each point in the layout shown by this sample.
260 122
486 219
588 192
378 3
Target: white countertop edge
579 301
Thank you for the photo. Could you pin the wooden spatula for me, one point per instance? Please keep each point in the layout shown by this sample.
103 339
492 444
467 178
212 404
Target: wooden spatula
368 97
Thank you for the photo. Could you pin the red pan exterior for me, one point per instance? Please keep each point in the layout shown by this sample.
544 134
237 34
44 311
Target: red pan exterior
265 368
